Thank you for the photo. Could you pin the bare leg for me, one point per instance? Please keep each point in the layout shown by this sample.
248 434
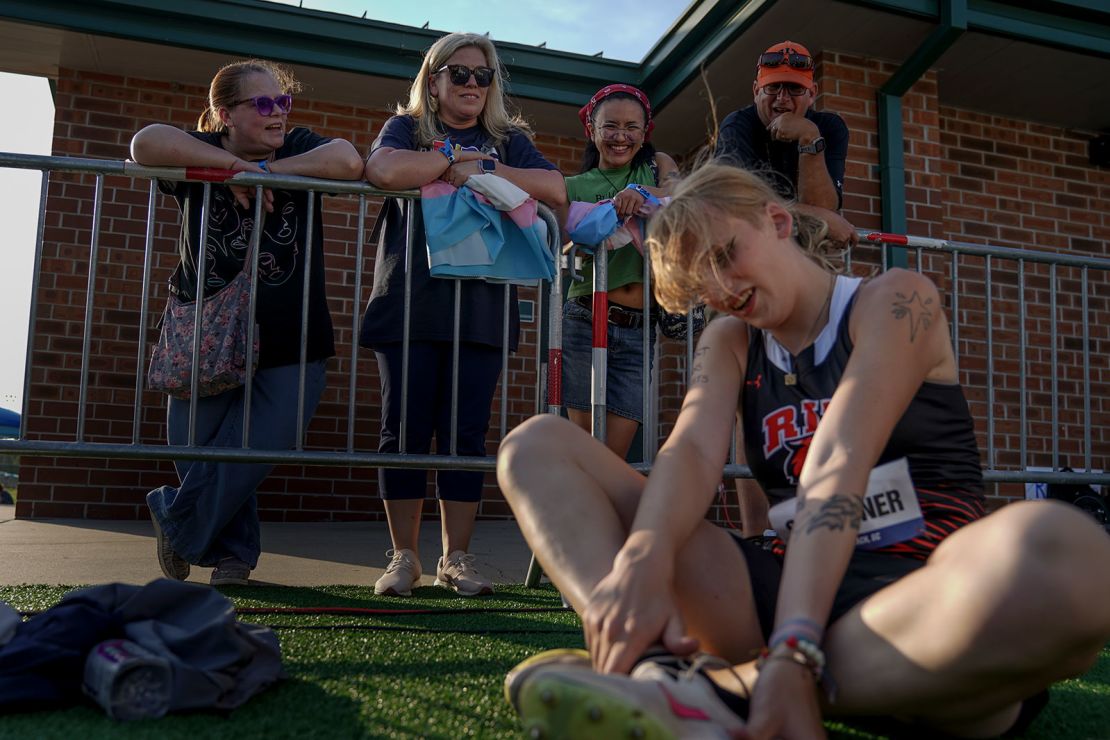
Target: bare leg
1004 607
575 501
404 522
619 430
458 524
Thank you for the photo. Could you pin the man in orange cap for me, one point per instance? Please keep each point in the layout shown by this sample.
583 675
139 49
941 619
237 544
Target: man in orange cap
800 151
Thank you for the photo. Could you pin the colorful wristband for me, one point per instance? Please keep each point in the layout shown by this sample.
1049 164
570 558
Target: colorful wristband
643 193
263 166
446 148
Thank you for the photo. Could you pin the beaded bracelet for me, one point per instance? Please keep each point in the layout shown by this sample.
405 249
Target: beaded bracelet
805 654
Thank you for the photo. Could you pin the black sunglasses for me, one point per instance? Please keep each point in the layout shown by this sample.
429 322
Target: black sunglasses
789 57
265 104
460 74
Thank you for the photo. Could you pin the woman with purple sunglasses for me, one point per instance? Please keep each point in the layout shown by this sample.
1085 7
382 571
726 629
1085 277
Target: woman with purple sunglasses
211 518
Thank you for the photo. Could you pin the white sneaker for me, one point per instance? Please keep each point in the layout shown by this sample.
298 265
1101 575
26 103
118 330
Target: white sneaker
562 697
402 573
456 571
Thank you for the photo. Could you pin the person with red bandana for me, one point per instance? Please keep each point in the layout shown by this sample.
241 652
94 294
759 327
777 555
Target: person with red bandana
620 164
799 151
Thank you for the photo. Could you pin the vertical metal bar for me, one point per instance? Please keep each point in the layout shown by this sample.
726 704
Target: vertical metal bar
990 366
306 286
201 261
86 341
555 339
252 311
144 306
918 255
505 364
406 322
356 301
455 333
645 356
599 367
1023 393
1053 365
886 254
539 386
1086 375
36 278
956 310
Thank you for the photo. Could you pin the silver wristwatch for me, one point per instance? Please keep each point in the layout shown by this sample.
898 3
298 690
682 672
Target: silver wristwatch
814 147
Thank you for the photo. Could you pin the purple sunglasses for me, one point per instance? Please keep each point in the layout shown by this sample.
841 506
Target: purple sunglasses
265 104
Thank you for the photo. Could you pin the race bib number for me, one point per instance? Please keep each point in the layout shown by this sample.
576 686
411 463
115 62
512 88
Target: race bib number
891 512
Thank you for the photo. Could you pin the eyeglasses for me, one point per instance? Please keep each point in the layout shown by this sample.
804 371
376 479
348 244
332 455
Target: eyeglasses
265 104
787 56
610 131
460 74
793 89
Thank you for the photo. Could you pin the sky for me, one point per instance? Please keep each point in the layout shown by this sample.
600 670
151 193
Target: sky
582 26
566 25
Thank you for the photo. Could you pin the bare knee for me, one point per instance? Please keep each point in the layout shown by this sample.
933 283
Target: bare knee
525 449
1050 554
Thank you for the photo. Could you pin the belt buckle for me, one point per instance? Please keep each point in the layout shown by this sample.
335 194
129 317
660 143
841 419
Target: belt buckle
624 318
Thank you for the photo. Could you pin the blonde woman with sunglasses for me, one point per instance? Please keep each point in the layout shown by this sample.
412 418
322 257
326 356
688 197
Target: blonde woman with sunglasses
455 124
211 518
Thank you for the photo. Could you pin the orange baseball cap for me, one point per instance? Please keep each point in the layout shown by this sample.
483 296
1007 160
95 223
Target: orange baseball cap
788 51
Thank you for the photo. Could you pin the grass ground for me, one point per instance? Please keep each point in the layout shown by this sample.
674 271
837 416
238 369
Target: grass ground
420 676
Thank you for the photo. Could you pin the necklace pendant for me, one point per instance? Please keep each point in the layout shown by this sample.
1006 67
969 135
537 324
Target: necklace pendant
790 379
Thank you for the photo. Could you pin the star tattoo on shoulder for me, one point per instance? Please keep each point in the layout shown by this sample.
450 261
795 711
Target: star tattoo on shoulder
919 312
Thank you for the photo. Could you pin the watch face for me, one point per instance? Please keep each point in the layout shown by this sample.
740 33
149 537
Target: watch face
814 147
487 165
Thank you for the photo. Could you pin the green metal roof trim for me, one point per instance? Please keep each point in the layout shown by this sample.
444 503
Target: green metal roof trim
1075 25
336 41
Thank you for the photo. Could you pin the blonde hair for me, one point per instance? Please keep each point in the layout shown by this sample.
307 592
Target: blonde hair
496 117
227 84
683 255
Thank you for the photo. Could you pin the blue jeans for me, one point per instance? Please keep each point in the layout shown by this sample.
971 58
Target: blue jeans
214 512
624 381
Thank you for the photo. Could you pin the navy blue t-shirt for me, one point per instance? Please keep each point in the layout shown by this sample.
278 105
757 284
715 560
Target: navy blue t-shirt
281 256
433 299
745 142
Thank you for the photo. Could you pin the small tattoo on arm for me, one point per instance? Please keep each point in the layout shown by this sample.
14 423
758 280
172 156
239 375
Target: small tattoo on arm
697 374
841 511
919 312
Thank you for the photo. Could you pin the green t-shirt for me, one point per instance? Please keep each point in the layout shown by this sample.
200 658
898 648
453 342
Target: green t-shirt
626 265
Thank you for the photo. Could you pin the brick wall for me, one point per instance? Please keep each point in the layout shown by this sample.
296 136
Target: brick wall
982 179
96 115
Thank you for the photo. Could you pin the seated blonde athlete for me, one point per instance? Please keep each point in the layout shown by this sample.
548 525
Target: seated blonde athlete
898 598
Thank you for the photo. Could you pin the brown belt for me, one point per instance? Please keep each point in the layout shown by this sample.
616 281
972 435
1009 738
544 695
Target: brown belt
626 318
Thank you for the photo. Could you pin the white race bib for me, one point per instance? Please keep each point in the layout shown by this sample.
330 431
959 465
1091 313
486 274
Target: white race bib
891 512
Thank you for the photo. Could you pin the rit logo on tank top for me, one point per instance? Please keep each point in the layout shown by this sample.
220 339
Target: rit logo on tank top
789 430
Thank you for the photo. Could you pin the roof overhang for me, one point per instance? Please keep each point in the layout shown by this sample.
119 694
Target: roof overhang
1010 61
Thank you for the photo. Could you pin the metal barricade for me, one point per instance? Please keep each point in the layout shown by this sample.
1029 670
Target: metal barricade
79 446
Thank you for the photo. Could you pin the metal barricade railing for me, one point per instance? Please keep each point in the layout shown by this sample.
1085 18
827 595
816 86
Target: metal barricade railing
80 446
941 259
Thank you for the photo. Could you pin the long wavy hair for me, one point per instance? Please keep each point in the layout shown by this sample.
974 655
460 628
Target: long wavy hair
591 157
497 118
226 86
683 256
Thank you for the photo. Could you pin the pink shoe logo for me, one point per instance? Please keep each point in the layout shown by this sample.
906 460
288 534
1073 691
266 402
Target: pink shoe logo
681 710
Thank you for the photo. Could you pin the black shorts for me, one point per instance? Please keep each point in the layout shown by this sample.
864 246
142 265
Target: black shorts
867 573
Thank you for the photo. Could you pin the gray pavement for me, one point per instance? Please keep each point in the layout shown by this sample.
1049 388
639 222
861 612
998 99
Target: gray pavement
82 551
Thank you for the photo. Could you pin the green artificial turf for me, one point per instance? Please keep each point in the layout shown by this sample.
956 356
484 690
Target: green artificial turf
419 676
